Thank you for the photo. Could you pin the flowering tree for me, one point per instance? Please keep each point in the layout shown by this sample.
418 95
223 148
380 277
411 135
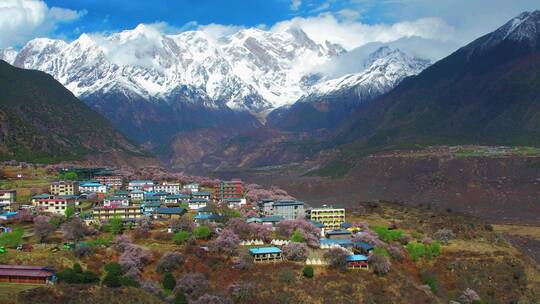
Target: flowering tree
469 296
396 253
183 223
295 251
74 230
227 242
210 299
169 262
310 232
121 242
379 263
368 236
336 257
444 235
192 284
42 227
134 256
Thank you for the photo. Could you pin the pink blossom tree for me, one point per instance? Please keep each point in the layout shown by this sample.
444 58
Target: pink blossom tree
295 251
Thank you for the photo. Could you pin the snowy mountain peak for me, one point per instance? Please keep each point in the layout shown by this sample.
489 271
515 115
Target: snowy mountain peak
384 69
524 28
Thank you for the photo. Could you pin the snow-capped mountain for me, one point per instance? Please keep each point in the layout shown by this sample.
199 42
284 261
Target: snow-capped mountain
524 29
251 70
384 69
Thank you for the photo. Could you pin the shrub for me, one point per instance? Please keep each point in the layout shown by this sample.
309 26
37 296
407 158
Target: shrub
379 263
308 272
288 227
386 234
202 232
134 256
243 261
444 235
116 225
76 275
121 242
77 268
242 292
295 251
431 281
129 282
56 220
111 280
297 236
210 299
74 230
113 268
12 239
180 237
183 223
381 251
89 277
287 276
70 212
169 282
169 262
180 298
336 257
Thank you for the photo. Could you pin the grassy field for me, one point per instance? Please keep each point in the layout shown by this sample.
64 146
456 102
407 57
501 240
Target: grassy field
529 231
9 290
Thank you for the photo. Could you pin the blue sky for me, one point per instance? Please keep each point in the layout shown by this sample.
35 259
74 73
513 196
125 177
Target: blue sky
351 23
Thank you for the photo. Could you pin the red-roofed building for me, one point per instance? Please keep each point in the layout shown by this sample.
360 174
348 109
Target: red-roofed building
26 274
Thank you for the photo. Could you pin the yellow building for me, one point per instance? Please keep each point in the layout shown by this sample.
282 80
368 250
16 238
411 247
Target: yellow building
64 188
330 217
126 213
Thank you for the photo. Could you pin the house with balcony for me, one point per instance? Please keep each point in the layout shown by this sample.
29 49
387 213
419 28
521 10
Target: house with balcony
266 254
126 213
116 201
357 261
177 199
143 185
136 195
169 188
197 203
64 188
235 203
202 194
92 187
192 187
7 198
330 217
53 204
169 213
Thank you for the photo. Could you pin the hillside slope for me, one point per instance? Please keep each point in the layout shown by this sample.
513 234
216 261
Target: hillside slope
42 121
487 92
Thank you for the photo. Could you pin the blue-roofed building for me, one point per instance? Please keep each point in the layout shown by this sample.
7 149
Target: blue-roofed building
170 213
338 234
197 203
8 215
149 207
177 199
201 194
329 243
91 187
266 254
357 261
265 220
363 247
205 215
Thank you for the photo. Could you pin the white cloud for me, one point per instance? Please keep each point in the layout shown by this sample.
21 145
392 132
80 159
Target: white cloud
351 33
22 20
216 31
295 4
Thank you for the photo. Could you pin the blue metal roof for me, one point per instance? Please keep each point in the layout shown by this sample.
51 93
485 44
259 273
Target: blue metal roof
264 250
357 257
200 193
175 210
272 219
344 243
363 245
317 224
91 185
43 195
199 200
338 232
288 203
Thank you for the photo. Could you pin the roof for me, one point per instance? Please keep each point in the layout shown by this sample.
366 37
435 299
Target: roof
29 271
42 195
116 198
288 203
198 200
91 185
253 220
136 191
141 181
233 200
264 250
272 219
357 257
201 193
343 243
151 204
207 216
317 224
338 232
175 210
121 192
176 196
346 225
363 245
204 209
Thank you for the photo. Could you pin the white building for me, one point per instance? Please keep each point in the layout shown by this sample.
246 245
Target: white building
136 195
143 185
52 204
193 187
92 188
7 197
197 203
236 203
171 188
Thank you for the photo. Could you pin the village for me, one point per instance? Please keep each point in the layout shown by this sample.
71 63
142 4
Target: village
112 231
